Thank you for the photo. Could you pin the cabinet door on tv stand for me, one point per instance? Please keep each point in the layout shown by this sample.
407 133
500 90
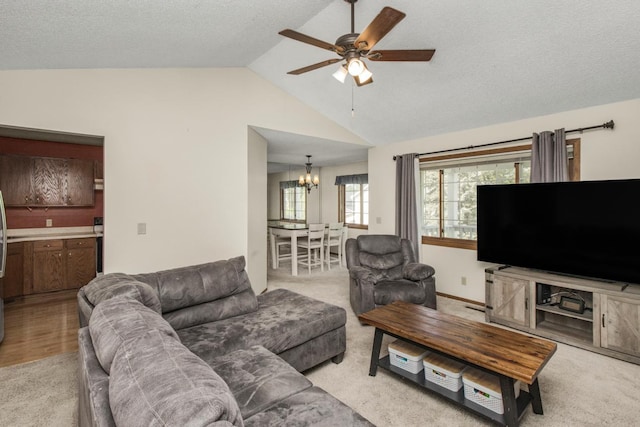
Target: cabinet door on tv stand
620 324
508 300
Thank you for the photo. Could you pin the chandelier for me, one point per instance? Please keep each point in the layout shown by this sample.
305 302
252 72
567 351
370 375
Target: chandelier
305 180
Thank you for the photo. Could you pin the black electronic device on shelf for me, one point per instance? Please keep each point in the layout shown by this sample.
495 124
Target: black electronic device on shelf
543 294
575 305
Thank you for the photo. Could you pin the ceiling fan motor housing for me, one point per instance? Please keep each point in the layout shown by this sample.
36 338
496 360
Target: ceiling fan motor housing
347 42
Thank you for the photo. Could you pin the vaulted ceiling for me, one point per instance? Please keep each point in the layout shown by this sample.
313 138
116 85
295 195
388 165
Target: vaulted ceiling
495 60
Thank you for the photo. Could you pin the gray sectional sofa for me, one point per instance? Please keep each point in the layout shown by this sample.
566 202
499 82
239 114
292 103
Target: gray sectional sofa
194 346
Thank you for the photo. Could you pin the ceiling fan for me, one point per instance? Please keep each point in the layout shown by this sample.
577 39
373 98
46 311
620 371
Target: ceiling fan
354 47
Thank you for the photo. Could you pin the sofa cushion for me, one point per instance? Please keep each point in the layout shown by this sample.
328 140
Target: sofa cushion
119 319
234 305
311 407
193 285
258 378
156 381
119 284
284 320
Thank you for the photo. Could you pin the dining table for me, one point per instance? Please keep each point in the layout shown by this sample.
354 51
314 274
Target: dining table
293 231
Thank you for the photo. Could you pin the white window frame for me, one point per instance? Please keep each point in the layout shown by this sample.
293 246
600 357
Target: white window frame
363 221
299 215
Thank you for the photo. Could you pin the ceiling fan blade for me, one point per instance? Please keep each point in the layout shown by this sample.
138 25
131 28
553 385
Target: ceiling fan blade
378 28
401 55
314 66
310 40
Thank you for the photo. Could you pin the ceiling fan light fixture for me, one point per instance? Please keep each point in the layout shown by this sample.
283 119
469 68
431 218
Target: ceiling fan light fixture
355 67
364 76
341 74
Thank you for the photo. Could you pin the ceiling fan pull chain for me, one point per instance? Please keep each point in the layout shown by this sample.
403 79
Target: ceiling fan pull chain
353 110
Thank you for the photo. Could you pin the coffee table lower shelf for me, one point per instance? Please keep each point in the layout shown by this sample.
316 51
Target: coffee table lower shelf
522 401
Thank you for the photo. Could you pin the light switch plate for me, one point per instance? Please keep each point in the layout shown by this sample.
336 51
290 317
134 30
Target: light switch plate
49 222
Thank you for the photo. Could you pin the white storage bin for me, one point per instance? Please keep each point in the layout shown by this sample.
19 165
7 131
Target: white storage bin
443 371
484 389
406 356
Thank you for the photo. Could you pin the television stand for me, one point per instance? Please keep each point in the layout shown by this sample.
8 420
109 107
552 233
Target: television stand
600 316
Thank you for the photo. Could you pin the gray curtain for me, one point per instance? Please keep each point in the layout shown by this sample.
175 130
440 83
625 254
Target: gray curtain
406 199
362 178
549 157
288 184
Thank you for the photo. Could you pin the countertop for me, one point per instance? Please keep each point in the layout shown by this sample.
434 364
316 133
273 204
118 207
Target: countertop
32 234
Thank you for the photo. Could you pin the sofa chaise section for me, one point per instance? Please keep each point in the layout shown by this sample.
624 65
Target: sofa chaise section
214 310
301 330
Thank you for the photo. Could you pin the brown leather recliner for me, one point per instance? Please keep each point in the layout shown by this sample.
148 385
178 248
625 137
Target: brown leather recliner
383 269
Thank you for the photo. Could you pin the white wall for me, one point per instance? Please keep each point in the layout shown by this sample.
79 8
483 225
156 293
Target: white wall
176 152
606 154
257 205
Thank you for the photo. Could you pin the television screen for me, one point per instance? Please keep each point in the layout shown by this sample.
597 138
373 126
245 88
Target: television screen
583 228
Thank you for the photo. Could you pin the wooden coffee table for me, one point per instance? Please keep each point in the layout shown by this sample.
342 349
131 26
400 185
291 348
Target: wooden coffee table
509 355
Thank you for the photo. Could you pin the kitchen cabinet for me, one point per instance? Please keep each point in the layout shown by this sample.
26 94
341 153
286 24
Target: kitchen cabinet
80 262
80 180
48 266
46 181
15 179
12 282
41 266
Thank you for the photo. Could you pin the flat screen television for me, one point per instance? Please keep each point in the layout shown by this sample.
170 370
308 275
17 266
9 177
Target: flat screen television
584 228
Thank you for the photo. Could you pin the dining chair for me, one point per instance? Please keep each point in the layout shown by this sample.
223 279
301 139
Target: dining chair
314 246
345 237
334 239
281 242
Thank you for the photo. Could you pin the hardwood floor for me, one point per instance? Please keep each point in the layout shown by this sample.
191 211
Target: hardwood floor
39 326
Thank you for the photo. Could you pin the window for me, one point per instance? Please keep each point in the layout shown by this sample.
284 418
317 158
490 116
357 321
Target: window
448 189
293 201
353 200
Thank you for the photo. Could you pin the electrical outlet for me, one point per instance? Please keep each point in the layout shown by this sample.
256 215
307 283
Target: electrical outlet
463 281
142 228
49 222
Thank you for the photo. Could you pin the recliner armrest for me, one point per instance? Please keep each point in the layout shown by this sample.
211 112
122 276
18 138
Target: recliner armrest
359 273
416 271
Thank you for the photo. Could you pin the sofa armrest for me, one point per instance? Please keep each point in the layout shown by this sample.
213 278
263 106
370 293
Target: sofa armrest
416 271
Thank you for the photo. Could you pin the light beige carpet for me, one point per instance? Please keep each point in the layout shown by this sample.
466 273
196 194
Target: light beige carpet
578 388
40 393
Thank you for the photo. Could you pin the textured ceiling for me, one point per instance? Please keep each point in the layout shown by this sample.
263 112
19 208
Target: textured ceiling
495 60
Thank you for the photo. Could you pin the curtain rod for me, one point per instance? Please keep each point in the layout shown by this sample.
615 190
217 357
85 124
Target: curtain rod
607 125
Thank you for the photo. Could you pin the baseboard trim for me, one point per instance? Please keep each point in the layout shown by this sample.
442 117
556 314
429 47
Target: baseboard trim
465 300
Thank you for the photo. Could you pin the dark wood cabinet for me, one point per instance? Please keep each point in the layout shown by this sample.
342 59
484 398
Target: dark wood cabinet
48 266
49 181
81 262
54 265
79 189
15 180
46 181
12 282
